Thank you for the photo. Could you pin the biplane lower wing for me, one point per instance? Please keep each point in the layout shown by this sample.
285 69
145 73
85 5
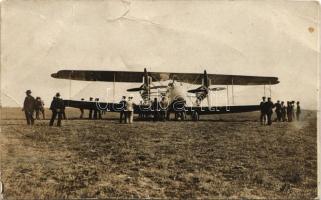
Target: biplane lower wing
117 107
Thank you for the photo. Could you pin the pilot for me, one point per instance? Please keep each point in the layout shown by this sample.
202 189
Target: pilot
269 110
82 108
56 106
263 113
123 108
278 111
90 110
298 111
29 107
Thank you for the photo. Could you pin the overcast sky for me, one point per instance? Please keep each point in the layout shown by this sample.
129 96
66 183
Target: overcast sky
277 38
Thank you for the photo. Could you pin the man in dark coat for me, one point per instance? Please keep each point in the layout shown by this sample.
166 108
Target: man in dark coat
29 107
298 111
90 110
283 111
269 105
56 106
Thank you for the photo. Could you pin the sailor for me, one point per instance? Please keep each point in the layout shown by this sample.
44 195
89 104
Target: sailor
90 110
269 110
130 110
82 108
123 108
278 111
29 107
283 111
263 113
298 111
56 106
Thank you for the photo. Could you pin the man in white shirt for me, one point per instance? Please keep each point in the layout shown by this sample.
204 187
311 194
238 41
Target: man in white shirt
130 110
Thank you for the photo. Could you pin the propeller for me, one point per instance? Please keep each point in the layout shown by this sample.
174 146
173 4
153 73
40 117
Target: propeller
203 91
145 88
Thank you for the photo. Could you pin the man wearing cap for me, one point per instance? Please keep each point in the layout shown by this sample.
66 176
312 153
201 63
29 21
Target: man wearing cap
56 106
82 108
29 107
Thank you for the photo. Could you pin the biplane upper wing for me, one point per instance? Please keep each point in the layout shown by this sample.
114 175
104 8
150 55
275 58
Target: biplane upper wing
137 77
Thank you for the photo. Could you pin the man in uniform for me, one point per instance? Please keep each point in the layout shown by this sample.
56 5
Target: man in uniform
298 111
263 113
155 107
56 106
269 105
123 108
278 111
29 107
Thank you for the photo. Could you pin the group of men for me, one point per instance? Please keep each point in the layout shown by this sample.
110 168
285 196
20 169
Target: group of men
127 112
93 113
32 105
284 113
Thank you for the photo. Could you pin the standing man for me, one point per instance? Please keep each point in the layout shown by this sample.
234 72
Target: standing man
283 111
29 107
289 111
163 107
123 108
298 111
263 113
130 110
90 110
278 111
56 106
155 107
269 110
82 108
293 109
39 106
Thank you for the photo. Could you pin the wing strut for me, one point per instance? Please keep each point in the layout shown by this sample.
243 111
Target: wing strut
232 92
270 89
114 86
227 96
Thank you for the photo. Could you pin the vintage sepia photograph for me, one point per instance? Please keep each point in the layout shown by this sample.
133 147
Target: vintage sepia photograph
159 99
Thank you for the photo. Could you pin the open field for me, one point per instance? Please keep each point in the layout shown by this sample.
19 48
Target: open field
221 156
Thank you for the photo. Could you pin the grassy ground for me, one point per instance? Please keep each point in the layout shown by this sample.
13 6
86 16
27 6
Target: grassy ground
220 156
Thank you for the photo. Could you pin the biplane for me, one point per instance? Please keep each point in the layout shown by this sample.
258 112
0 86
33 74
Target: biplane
173 91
